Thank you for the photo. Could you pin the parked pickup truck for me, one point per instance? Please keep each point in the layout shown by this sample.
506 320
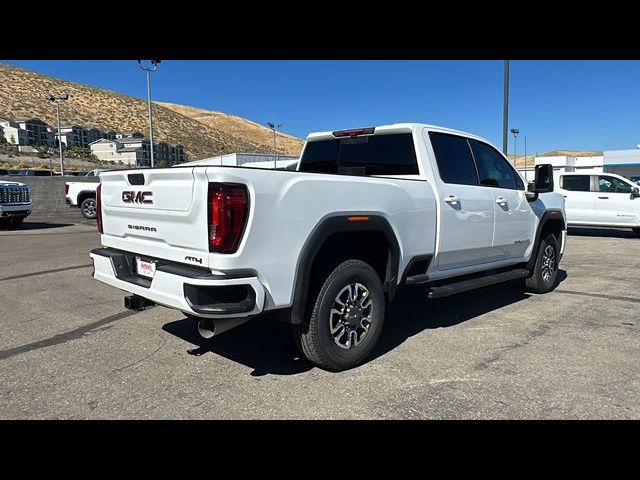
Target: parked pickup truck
15 203
83 195
326 246
601 200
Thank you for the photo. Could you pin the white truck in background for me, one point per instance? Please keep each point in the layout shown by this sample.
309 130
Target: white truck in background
600 200
82 195
325 246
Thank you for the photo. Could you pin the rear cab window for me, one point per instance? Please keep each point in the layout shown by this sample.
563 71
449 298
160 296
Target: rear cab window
381 154
576 183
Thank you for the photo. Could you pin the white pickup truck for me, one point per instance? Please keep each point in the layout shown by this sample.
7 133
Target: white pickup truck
82 195
325 246
15 203
600 200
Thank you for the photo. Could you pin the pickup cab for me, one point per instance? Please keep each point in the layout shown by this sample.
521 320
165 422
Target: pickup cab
327 245
15 203
600 200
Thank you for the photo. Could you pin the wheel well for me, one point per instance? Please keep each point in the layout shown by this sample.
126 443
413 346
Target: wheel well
371 247
82 196
554 225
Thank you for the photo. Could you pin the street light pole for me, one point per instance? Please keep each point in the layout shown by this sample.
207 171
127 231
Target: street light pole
52 98
515 132
273 127
525 156
505 114
148 71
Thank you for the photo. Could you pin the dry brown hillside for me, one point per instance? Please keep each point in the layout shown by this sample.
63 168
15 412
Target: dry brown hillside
240 127
23 93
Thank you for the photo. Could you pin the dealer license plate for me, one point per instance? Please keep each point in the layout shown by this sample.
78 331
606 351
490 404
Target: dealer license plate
144 268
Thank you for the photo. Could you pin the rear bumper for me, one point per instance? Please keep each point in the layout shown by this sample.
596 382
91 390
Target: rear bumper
188 289
15 210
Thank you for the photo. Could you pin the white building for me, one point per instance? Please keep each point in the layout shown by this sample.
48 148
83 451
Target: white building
622 162
136 151
263 160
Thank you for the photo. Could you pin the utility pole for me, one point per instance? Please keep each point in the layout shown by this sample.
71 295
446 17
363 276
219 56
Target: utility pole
273 127
148 70
63 98
505 114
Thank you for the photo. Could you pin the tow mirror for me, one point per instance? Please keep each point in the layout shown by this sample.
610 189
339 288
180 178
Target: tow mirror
635 192
543 182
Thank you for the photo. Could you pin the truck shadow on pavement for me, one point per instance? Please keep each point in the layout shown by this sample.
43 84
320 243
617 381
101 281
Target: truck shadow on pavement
27 225
266 345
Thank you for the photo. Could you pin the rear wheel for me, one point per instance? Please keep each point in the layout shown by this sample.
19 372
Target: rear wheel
545 271
346 319
88 208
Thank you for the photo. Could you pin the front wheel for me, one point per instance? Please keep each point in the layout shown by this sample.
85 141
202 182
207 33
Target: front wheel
545 270
346 320
637 230
88 208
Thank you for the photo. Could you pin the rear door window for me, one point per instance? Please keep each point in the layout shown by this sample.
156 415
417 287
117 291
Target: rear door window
576 183
454 159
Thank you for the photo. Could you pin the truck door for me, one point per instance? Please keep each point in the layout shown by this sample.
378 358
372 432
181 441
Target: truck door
614 205
466 210
514 219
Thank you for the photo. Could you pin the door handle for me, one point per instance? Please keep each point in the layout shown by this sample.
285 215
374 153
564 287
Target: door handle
451 199
501 201
603 198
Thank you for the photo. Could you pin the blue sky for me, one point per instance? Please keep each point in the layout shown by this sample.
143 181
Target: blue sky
556 104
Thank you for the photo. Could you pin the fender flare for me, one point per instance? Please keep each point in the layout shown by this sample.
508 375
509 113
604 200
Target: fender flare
92 193
317 238
551 214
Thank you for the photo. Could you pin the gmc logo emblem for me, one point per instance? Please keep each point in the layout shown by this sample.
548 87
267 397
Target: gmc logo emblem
137 197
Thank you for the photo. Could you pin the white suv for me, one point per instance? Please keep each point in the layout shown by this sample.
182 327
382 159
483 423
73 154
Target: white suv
600 199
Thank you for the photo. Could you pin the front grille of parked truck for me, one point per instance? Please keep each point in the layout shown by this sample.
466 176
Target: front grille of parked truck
11 194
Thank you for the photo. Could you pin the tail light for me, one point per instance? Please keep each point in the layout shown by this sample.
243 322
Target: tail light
99 207
228 211
66 188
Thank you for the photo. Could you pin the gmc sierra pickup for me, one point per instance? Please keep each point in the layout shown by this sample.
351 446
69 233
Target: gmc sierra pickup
327 245
15 203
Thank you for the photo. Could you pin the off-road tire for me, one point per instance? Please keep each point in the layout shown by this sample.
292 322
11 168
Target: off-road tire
537 283
313 337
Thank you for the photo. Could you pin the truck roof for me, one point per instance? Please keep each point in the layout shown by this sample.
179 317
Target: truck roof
403 127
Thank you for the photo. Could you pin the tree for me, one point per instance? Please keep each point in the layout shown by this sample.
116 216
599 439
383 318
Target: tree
163 164
43 151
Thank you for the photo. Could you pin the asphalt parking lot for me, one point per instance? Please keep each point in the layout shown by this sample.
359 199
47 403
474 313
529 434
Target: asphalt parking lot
69 349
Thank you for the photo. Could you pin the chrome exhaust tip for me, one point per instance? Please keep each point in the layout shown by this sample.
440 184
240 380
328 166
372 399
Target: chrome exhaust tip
208 328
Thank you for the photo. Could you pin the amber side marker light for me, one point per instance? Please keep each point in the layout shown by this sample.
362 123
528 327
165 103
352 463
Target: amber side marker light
358 219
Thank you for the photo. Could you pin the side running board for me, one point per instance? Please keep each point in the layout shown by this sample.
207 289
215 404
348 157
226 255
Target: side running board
465 285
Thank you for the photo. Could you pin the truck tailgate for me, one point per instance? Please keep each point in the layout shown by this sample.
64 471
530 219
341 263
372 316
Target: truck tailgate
160 213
